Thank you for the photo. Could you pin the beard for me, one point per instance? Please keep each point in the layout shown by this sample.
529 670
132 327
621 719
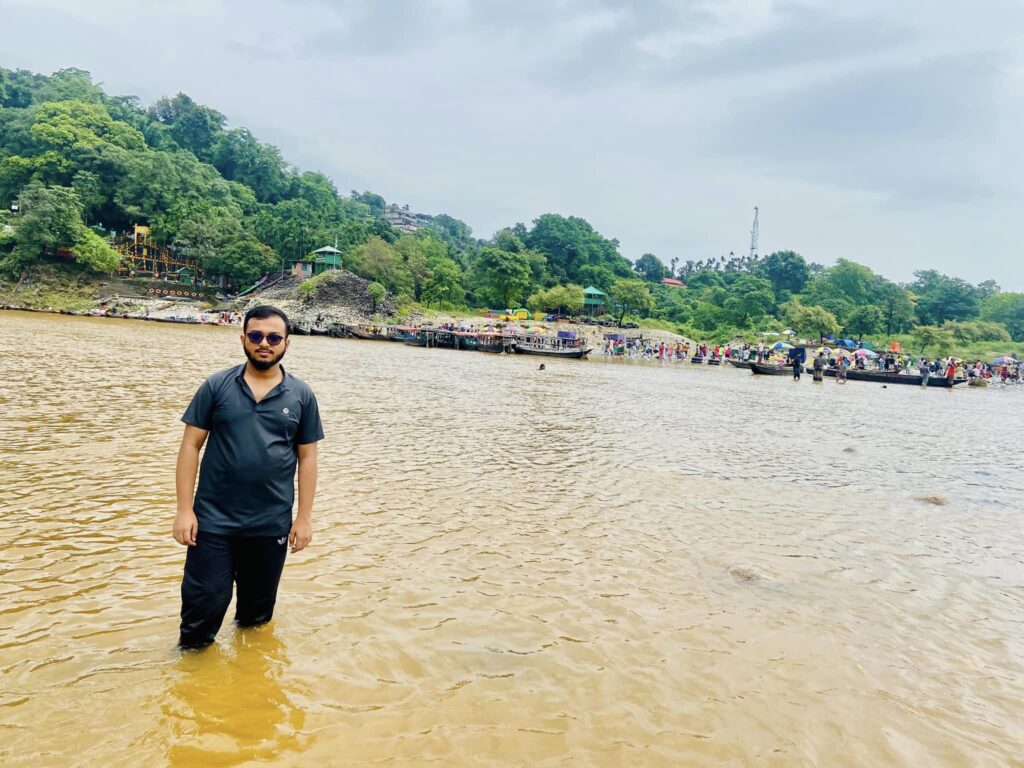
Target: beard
264 363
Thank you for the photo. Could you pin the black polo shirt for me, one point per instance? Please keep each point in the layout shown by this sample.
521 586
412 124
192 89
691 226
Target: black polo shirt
247 478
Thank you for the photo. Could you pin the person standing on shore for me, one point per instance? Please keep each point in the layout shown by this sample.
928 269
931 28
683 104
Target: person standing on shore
262 423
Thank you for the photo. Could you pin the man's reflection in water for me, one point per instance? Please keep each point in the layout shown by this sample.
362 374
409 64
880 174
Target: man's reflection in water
226 705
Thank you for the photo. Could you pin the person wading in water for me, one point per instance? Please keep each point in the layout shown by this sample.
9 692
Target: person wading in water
261 422
819 366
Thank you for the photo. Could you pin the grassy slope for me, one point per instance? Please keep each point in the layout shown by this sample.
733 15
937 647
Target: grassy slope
51 286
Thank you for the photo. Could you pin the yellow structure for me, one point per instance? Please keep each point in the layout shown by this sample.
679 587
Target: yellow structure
142 257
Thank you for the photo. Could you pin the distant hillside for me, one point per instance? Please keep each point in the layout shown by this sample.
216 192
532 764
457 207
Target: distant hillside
77 164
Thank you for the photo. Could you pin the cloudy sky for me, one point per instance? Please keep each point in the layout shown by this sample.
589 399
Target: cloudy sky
886 132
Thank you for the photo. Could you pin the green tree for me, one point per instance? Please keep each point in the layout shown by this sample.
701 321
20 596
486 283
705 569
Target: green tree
810 320
650 268
373 201
50 217
377 261
786 270
938 340
1008 309
503 276
970 331
704 278
240 157
749 299
896 306
445 283
94 252
419 252
559 297
941 298
193 126
630 294
570 244
376 292
87 186
864 320
241 262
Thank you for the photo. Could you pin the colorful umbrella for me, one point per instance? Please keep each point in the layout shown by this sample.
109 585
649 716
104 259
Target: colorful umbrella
782 345
865 353
1004 359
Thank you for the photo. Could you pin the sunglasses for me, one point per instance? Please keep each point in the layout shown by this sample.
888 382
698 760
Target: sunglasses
273 339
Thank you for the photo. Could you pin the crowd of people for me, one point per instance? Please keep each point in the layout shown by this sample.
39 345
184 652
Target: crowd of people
1006 370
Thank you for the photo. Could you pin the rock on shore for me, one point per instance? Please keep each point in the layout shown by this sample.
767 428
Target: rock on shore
339 295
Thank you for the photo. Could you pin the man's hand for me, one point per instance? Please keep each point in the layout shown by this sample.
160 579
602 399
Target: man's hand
301 533
186 527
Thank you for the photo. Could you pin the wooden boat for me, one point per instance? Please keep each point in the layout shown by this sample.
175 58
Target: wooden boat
714 361
747 364
421 337
183 320
400 332
371 332
697 359
977 382
770 370
491 342
299 330
550 346
888 377
443 338
319 330
466 340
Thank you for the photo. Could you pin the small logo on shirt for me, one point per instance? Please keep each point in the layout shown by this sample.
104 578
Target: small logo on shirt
282 540
284 411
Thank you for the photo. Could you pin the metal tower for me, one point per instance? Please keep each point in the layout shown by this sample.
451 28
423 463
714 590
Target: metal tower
753 237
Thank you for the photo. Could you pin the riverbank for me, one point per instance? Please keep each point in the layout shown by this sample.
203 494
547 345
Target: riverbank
65 289
60 286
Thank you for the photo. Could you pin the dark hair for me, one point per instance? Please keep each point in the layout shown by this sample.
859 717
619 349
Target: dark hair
264 311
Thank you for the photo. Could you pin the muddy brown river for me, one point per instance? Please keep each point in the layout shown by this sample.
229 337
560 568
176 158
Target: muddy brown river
600 564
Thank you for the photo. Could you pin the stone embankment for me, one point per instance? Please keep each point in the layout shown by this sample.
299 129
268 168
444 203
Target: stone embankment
340 296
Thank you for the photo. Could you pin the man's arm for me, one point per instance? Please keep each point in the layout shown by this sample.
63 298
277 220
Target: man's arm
185 524
302 529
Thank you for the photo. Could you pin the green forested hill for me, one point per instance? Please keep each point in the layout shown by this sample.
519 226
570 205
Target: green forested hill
81 163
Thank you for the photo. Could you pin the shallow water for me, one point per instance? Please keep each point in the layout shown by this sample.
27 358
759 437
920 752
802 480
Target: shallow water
602 564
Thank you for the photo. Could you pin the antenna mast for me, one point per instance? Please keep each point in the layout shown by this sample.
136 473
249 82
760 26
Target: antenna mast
753 237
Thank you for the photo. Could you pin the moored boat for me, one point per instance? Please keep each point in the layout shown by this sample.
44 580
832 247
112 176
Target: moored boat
747 364
489 341
420 337
370 332
467 340
889 377
714 361
697 359
399 332
764 369
550 346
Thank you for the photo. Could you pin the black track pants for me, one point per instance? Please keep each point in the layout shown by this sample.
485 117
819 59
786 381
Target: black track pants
211 566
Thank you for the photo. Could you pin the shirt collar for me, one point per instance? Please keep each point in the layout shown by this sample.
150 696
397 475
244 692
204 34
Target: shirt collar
286 377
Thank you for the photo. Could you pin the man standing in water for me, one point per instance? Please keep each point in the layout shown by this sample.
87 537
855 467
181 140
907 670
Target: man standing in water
819 366
261 422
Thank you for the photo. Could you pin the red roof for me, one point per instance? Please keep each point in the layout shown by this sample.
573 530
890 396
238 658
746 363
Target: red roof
673 281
